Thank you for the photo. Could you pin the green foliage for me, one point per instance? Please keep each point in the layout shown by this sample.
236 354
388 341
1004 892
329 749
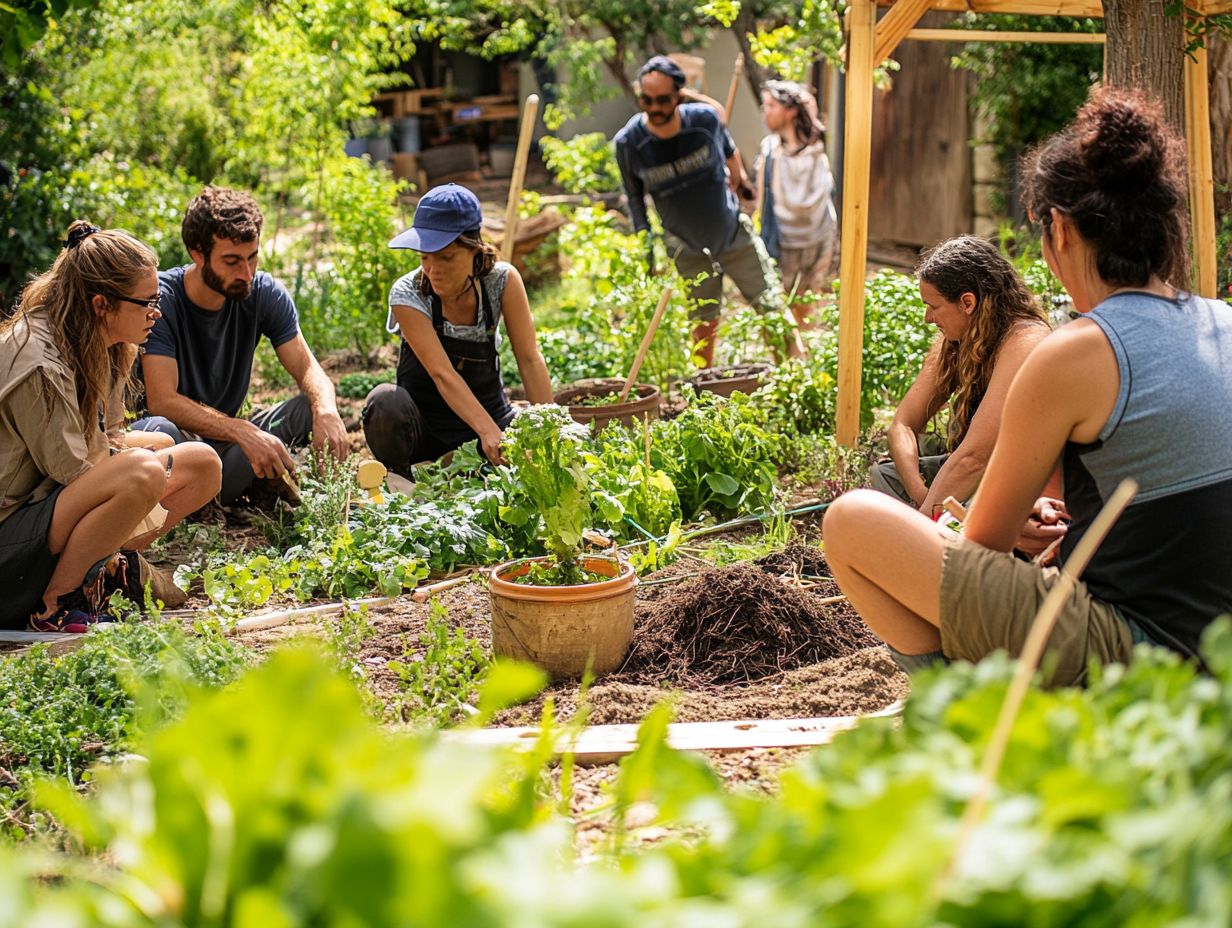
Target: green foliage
277 801
1028 90
790 49
547 477
585 163
357 385
438 682
59 715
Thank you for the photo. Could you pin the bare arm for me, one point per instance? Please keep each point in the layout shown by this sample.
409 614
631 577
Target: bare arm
918 406
961 473
265 452
515 307
419 334
1064 392
327 426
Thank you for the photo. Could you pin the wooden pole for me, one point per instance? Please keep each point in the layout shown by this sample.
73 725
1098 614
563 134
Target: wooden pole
527 130
1201 172
857 153
1029 659
731 89
645 345
985 35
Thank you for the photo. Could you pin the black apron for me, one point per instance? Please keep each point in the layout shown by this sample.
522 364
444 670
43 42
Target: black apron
478 363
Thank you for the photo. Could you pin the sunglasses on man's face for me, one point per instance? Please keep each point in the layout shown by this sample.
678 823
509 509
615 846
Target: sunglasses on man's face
663 99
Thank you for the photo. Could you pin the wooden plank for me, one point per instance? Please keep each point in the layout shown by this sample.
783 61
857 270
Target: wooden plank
1092 9
857 151
986 35
895 25
605 744
1201 172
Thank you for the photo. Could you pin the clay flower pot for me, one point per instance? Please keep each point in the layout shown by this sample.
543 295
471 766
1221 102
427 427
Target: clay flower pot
643 401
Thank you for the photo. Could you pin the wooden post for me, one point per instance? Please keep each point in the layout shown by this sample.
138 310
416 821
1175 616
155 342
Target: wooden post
857 153
1201 172
529 111
894 26
731 90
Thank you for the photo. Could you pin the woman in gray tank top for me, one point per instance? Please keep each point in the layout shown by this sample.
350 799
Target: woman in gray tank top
1137 388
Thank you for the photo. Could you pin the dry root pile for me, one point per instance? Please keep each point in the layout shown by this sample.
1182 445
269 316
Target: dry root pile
737 624
797 558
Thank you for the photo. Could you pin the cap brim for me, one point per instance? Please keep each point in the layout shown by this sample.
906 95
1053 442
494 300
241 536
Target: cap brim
425 240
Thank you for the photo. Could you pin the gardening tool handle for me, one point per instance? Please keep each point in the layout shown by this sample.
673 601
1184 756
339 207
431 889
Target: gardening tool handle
527 129
731 90
645 345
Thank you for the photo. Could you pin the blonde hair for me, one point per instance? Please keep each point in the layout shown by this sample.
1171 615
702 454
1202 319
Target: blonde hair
93 262
968 264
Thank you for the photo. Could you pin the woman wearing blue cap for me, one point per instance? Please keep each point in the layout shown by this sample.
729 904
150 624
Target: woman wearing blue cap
449 389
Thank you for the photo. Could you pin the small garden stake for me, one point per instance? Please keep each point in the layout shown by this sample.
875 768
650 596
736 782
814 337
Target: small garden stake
1028 663
529 111
645 345
735 84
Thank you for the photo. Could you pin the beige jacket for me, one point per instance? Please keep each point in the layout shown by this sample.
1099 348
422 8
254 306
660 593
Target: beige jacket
43 442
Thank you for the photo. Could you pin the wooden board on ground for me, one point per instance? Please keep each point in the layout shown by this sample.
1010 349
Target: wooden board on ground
605 744
59 643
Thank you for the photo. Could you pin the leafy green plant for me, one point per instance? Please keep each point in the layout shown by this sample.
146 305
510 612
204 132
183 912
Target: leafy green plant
358 384
442 674
545 449
585 163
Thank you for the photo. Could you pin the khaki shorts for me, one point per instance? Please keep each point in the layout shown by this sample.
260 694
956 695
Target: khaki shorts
807 270
745 261
989 600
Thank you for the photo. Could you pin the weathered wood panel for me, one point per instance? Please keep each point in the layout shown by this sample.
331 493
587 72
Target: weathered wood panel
921 163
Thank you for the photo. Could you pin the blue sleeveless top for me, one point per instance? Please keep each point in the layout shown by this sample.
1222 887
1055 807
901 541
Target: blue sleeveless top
1167 563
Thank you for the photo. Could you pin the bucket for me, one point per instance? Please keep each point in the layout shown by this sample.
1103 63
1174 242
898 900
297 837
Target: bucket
408 133
564 629
380 148
501 157
724 381
356 148
643 402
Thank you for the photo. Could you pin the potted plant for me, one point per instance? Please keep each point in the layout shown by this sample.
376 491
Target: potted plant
567 610
597 402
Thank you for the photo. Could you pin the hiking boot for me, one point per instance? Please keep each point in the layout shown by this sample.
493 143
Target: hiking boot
71 616
133 573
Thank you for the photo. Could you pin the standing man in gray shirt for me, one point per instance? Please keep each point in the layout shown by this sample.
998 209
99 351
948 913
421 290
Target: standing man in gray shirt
681 154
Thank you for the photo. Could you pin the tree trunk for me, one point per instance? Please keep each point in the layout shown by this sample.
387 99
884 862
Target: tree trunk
745 23
1219 62
1146 50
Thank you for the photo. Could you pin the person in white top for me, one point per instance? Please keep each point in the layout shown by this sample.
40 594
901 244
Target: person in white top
795 187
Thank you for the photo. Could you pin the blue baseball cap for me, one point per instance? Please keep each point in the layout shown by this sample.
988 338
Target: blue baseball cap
443 213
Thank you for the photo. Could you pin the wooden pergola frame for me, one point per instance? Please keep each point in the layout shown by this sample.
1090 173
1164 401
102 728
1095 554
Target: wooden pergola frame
870 42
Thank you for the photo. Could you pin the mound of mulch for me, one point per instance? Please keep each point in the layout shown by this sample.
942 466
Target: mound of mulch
798 558
738 624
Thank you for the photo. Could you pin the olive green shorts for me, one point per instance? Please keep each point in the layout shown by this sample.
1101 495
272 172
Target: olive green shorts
989 600
745 261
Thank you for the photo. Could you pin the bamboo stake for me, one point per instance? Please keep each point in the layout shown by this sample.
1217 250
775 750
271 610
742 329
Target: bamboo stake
529 111
645 345
423 593
734 86
1028 661
283 616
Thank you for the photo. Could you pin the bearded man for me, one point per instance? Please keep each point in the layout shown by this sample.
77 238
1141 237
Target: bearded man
197 363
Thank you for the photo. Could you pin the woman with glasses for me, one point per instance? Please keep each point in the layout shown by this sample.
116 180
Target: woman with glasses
78 495
798 221
988 322
1138 387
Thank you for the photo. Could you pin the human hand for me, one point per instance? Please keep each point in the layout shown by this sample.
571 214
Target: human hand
1048 522
327 427
266 453
490 445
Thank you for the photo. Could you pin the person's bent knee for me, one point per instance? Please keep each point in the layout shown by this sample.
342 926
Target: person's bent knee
204 466
162 425
841 514
145 478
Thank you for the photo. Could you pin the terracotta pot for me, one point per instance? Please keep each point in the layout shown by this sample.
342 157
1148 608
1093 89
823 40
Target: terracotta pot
743 378
643 402
564 628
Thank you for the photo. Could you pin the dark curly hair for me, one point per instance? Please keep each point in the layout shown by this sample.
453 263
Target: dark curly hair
223 213
1118 172
968 264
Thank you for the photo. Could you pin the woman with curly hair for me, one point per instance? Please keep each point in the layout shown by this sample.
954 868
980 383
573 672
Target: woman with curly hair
77 493
1138 387
989 323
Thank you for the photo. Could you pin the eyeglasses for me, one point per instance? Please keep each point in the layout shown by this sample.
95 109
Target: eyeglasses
663 99
148 304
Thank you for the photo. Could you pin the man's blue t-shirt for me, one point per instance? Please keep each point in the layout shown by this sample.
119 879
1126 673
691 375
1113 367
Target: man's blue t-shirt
685 175
214 350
